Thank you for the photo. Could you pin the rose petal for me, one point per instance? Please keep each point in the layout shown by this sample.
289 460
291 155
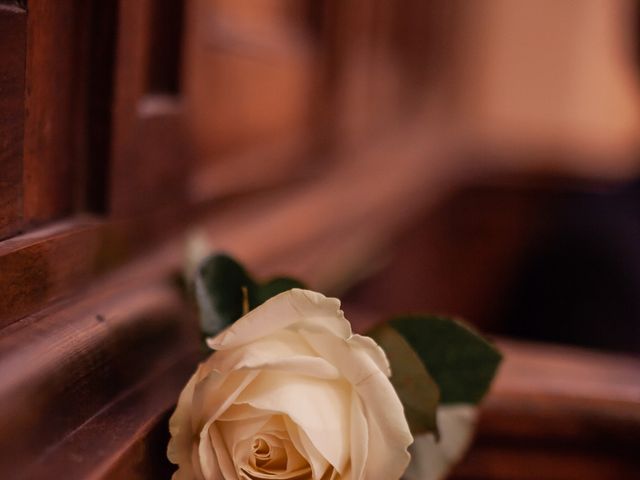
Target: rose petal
238 430
359 438
216 392
389 434
286 309
180 426
319 407
354 362
284 351
214 456
301 441
375 351
197 466
280 344
242 412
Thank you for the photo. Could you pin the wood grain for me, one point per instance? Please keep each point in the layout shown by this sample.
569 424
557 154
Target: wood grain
44 265
558 413
151 156
65 364
13 38
54 99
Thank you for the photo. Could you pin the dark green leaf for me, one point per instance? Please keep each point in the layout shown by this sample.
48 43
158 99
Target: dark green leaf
219 287
416 389
460 361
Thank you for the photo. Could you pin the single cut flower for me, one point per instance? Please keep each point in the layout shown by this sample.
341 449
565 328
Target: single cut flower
291 393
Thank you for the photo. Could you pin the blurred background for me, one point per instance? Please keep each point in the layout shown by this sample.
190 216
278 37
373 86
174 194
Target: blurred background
477 158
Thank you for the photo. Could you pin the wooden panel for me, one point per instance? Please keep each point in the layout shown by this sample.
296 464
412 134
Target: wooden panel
13 37
55 262
42 266
151 157
67 135
135 447
64 365
54 95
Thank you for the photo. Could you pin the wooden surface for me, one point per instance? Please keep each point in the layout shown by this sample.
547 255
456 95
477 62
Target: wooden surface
150 156
13 38
44 265
53 101
558 413
64 365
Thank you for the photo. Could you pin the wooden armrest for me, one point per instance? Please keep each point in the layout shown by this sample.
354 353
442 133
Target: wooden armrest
558 413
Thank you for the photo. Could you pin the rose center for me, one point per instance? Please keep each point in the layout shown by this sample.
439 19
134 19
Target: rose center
261 448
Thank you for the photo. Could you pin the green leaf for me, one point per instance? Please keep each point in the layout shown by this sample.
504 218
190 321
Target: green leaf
219 282
460 361
218 286
416 389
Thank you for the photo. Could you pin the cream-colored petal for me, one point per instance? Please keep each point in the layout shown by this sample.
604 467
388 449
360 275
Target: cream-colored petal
259 359
431 459
216 392
271 454
303 444
359 438
295 459
205 457
375 351
211 441
284 343
236 431
389 435
197 465
321 311
319 407
284 427
240 412
292 307
272 316
179 448
242 422
283 351
355 364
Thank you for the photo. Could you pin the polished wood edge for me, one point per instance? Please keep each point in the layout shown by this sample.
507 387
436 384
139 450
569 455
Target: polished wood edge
65 258
127 438
54 230
42 266
61 366
557 412
584 381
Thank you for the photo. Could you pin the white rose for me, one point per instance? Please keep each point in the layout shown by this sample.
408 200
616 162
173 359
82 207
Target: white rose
291 394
